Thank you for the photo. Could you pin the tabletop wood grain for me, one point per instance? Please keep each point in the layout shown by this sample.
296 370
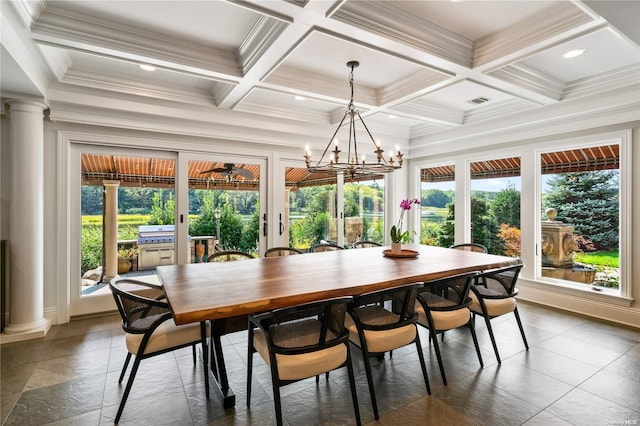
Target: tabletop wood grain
205 291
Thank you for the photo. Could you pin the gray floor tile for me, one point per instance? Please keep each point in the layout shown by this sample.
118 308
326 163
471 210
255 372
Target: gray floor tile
578 371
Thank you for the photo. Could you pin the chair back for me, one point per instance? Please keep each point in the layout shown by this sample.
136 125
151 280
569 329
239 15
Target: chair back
140 305
366 309
479 248
499 282
305 328
447 294
282 251
324 247
366 244
230 255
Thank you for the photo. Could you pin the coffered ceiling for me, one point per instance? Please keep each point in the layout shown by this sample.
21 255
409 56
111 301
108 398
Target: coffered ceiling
426 67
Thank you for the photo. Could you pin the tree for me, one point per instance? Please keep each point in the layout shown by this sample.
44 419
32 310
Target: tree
435 198
505 207
589 202
162 211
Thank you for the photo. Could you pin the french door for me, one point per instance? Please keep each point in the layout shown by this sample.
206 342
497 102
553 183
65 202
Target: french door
114 193
131 210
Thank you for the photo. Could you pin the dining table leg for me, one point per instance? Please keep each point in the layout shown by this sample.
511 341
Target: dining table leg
217 365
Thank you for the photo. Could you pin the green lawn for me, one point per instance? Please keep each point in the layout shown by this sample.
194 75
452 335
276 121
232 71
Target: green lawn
601 258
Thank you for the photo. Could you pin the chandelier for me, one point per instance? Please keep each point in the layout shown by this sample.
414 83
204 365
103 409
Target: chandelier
354 165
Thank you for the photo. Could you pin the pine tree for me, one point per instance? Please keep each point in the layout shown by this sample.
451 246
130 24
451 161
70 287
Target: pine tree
589 201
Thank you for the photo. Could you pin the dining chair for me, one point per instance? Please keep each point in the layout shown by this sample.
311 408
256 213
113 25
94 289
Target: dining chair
479 248
282 251
443 305
229 255
150 330
493 295
301 342
365 244
382 321
324 247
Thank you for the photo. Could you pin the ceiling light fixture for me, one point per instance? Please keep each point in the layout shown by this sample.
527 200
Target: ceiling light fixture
147 67
574 53
299 98
353 166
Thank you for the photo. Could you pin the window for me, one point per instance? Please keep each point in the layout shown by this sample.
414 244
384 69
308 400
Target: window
495 205
437 195
580 205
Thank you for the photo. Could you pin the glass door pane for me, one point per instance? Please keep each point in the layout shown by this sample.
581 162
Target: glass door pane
437 193
364 211
312 213
224 208
126 208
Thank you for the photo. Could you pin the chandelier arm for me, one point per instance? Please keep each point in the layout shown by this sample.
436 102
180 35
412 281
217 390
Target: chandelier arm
378 149
332 138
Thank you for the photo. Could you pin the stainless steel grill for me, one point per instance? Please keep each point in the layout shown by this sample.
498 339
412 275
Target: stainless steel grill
155 246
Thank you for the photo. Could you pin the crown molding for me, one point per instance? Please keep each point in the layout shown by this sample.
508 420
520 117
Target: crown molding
259 40
423 110
621 106
284 113
60 28
387 20
603 83
410 87
552 22
27 11
529 78
96 78
499 110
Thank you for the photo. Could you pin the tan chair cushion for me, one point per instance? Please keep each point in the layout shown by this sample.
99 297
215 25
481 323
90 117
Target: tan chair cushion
299 334
444 320
167 335
495 307
383 340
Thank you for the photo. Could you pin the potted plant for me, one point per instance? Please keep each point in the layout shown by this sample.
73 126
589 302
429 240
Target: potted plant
126 255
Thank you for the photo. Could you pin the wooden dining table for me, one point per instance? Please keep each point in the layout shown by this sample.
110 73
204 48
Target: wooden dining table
224 293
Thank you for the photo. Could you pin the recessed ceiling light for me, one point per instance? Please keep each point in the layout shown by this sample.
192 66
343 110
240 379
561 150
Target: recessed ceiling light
299 98
391 116
574 53
147 67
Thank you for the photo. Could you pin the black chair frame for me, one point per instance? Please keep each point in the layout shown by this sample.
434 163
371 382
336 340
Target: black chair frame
479 248
402 300
507 278
317 248
289 250
145 319
325 311
229 253
445 295
365 244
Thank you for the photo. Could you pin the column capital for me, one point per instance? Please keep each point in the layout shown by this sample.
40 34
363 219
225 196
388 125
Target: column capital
26 104
111 182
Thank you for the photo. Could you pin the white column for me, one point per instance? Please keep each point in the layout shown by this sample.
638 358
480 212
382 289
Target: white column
26 222
110 229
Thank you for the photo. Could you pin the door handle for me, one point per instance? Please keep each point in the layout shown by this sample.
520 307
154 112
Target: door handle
264 225
281 225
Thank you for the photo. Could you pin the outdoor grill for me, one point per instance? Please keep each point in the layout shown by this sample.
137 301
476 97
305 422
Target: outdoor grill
155 246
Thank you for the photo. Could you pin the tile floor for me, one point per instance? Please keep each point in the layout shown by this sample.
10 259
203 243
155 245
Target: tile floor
578 371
